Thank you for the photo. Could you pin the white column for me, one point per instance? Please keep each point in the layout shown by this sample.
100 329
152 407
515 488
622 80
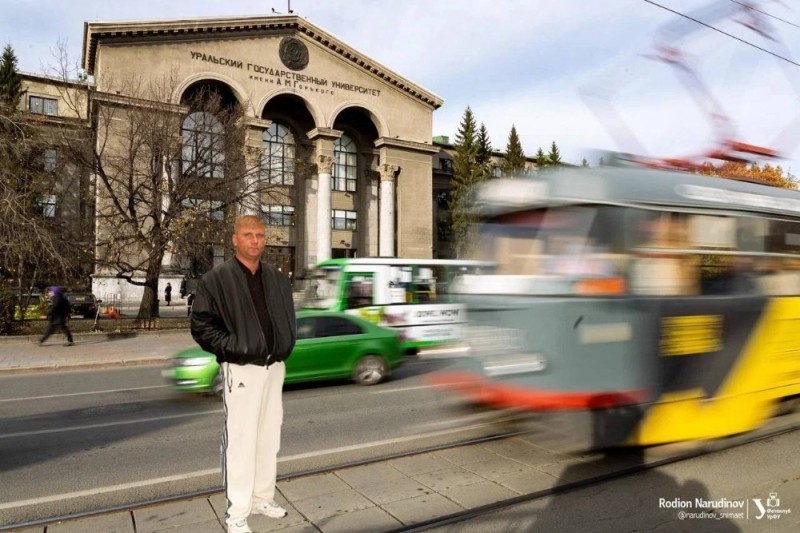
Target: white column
168 182
386 243
324 167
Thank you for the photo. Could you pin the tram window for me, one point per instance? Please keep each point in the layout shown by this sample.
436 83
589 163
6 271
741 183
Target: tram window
712 231
574 241
751 233
783 237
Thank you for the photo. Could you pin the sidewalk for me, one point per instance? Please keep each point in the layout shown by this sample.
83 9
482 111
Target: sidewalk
22 354
379 497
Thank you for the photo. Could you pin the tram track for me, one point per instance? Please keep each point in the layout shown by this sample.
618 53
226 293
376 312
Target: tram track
701 449
670 454
286 477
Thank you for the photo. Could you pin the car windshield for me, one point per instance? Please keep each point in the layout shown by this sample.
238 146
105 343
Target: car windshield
320 292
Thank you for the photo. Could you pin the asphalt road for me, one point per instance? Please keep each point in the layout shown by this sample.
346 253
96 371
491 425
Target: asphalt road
72 441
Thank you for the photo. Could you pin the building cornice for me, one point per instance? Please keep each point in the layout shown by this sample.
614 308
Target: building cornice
220 28
325 133
406 145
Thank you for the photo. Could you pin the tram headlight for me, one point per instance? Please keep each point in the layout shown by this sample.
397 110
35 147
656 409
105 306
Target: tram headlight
518 363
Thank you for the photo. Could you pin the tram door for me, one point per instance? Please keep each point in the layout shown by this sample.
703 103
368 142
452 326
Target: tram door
282 258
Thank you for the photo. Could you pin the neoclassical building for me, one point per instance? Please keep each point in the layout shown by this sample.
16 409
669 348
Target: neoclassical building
374 182
367 129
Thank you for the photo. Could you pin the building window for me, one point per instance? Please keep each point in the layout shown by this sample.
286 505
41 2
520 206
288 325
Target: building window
446 164
212 207
344 219
497 172
46 205
279 154
50 159
43 106
203 153
345 166
278 215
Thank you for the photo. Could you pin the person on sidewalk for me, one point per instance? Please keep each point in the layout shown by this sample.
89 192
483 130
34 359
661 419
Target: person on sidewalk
57 316
189 303
244 314
168 293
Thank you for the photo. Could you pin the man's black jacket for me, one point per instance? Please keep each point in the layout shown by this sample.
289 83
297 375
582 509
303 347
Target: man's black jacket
224 320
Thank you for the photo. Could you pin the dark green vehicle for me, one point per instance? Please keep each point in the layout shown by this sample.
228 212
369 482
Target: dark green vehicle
329 346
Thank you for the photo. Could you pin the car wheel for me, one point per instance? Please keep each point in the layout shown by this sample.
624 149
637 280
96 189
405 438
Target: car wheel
370 370
217 384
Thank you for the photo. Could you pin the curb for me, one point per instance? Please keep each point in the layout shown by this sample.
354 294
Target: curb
109 335
78 365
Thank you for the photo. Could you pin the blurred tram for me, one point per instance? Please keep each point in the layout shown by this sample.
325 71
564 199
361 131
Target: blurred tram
653 306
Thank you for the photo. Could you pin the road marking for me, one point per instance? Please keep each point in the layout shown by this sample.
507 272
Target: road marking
109 424
200 473
385 391
82 393
101 490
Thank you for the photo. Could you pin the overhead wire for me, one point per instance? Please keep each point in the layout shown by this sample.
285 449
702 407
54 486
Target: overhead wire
789 22
748 43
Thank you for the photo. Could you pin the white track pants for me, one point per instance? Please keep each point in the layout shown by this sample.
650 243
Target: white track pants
253 406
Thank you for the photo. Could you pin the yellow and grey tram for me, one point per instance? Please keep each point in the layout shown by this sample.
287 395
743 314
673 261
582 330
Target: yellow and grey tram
661 306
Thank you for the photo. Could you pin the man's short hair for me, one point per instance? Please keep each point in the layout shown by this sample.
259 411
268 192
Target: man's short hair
248 220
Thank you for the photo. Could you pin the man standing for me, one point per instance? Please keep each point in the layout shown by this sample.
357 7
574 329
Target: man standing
243 313
168 293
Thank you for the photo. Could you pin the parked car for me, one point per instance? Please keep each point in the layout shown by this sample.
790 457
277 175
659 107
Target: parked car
83 303
329 346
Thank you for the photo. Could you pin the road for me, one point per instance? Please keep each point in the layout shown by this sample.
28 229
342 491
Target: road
78 440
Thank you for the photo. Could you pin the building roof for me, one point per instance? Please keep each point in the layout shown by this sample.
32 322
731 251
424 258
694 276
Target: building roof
227 27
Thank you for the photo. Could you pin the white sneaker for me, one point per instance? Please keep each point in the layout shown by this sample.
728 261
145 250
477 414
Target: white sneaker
271 509
239 526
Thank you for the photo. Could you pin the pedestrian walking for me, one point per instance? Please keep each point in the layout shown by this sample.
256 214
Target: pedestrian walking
189 303
243 313
168 293
57 316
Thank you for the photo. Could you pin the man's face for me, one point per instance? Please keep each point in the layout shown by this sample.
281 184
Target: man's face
249 241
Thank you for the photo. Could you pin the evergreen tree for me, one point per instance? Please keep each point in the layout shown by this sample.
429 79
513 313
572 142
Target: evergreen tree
514 163
554 157
10 81
541 159
467 172
484 151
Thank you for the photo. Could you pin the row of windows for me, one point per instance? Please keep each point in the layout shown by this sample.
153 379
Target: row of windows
273 214
204 153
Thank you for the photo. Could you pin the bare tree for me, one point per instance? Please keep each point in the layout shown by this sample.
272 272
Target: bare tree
168 177
35 246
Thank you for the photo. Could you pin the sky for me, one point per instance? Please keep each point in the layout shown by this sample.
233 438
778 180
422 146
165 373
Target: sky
575 72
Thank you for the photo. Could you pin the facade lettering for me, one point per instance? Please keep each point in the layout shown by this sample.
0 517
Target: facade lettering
285 78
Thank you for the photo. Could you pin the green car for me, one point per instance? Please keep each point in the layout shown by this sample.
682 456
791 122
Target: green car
329 346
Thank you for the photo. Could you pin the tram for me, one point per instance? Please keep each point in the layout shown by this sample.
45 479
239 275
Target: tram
654 306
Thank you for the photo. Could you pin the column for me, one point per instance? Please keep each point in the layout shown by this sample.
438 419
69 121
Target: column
251 197
324 171
386 243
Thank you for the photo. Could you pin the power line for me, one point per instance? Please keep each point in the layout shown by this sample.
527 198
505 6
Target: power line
748 43
789 22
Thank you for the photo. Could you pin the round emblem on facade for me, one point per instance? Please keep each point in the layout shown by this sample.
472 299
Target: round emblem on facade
294 53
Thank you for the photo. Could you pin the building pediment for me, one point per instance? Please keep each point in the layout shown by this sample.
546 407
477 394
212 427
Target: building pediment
211 29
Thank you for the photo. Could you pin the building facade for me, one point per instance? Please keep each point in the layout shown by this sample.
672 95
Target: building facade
364 130
344 144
